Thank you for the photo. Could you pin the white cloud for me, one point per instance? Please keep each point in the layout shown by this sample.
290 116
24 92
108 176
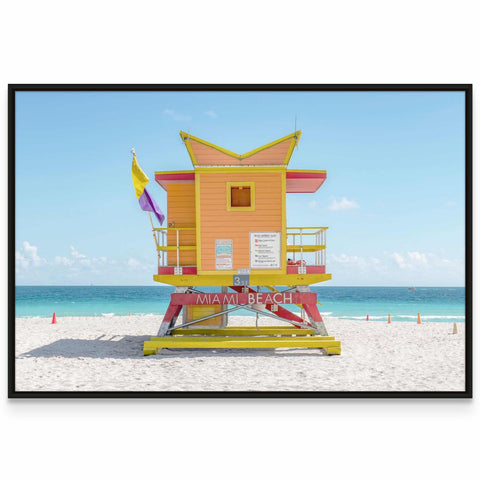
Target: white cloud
355 266
28 257
76 268
20 260
418 258
131 262
211 114
178 117
75 254
399 260
31 252
396 268
348 259
412 260
63 261
342 204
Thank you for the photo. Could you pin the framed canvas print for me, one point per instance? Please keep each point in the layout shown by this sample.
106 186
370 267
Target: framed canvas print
240 240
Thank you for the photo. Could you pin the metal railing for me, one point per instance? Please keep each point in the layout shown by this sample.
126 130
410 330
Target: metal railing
303 240
162 243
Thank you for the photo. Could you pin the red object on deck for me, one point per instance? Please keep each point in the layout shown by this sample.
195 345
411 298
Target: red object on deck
54 318
310 269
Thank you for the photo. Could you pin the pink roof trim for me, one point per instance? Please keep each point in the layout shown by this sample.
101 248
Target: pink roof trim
297 182
163 179
304 182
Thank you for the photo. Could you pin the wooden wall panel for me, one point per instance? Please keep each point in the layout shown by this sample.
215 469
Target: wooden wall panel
181 210
217 222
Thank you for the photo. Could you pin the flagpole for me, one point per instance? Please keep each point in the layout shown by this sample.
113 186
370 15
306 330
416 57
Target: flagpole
153 228
146 202
154 237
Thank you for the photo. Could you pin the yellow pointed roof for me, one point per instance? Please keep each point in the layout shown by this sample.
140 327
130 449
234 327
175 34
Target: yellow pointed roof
203 153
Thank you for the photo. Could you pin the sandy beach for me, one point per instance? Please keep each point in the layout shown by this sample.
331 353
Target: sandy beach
105 354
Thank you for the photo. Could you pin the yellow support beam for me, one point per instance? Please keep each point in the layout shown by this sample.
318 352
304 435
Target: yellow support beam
302 234
243 331
306 228
262 327
305 248
181 339
173 229
226 280
333 350
330 346
180 247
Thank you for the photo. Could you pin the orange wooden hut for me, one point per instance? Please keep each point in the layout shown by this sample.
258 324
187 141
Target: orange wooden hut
227 229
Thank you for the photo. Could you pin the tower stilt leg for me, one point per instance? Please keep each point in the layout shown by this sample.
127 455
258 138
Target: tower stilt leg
173 311
315 318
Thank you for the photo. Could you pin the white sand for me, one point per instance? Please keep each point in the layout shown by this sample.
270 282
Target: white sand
105 354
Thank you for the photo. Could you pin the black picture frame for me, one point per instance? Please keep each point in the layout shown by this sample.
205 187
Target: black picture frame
466 88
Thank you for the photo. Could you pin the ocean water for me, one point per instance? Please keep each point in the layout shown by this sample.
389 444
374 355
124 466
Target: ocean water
435 304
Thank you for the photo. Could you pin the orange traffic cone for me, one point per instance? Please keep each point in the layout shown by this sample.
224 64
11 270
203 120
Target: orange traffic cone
389 320
54 318
367 318
419 320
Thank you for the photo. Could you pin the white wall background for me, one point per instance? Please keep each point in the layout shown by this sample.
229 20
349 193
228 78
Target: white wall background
241 42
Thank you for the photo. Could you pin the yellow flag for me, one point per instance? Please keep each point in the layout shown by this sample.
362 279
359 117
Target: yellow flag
139 178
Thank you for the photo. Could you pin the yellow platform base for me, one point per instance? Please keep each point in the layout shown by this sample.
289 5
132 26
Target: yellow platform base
226 280
244 331
243 337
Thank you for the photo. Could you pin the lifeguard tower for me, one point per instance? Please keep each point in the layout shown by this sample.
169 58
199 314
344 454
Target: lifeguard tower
227 229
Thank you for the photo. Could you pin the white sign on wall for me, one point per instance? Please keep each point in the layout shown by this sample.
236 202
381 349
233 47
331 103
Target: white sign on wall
265 250
223 254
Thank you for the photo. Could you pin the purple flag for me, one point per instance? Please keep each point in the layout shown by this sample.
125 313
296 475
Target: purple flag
148 204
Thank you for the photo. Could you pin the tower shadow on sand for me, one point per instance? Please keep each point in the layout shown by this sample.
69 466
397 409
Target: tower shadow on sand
127 346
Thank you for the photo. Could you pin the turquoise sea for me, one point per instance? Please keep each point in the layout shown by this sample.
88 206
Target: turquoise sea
435 304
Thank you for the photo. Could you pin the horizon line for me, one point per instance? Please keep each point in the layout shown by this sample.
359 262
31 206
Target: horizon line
323 286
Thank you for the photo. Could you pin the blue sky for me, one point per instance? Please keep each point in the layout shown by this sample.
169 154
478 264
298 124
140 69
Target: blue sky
393 199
